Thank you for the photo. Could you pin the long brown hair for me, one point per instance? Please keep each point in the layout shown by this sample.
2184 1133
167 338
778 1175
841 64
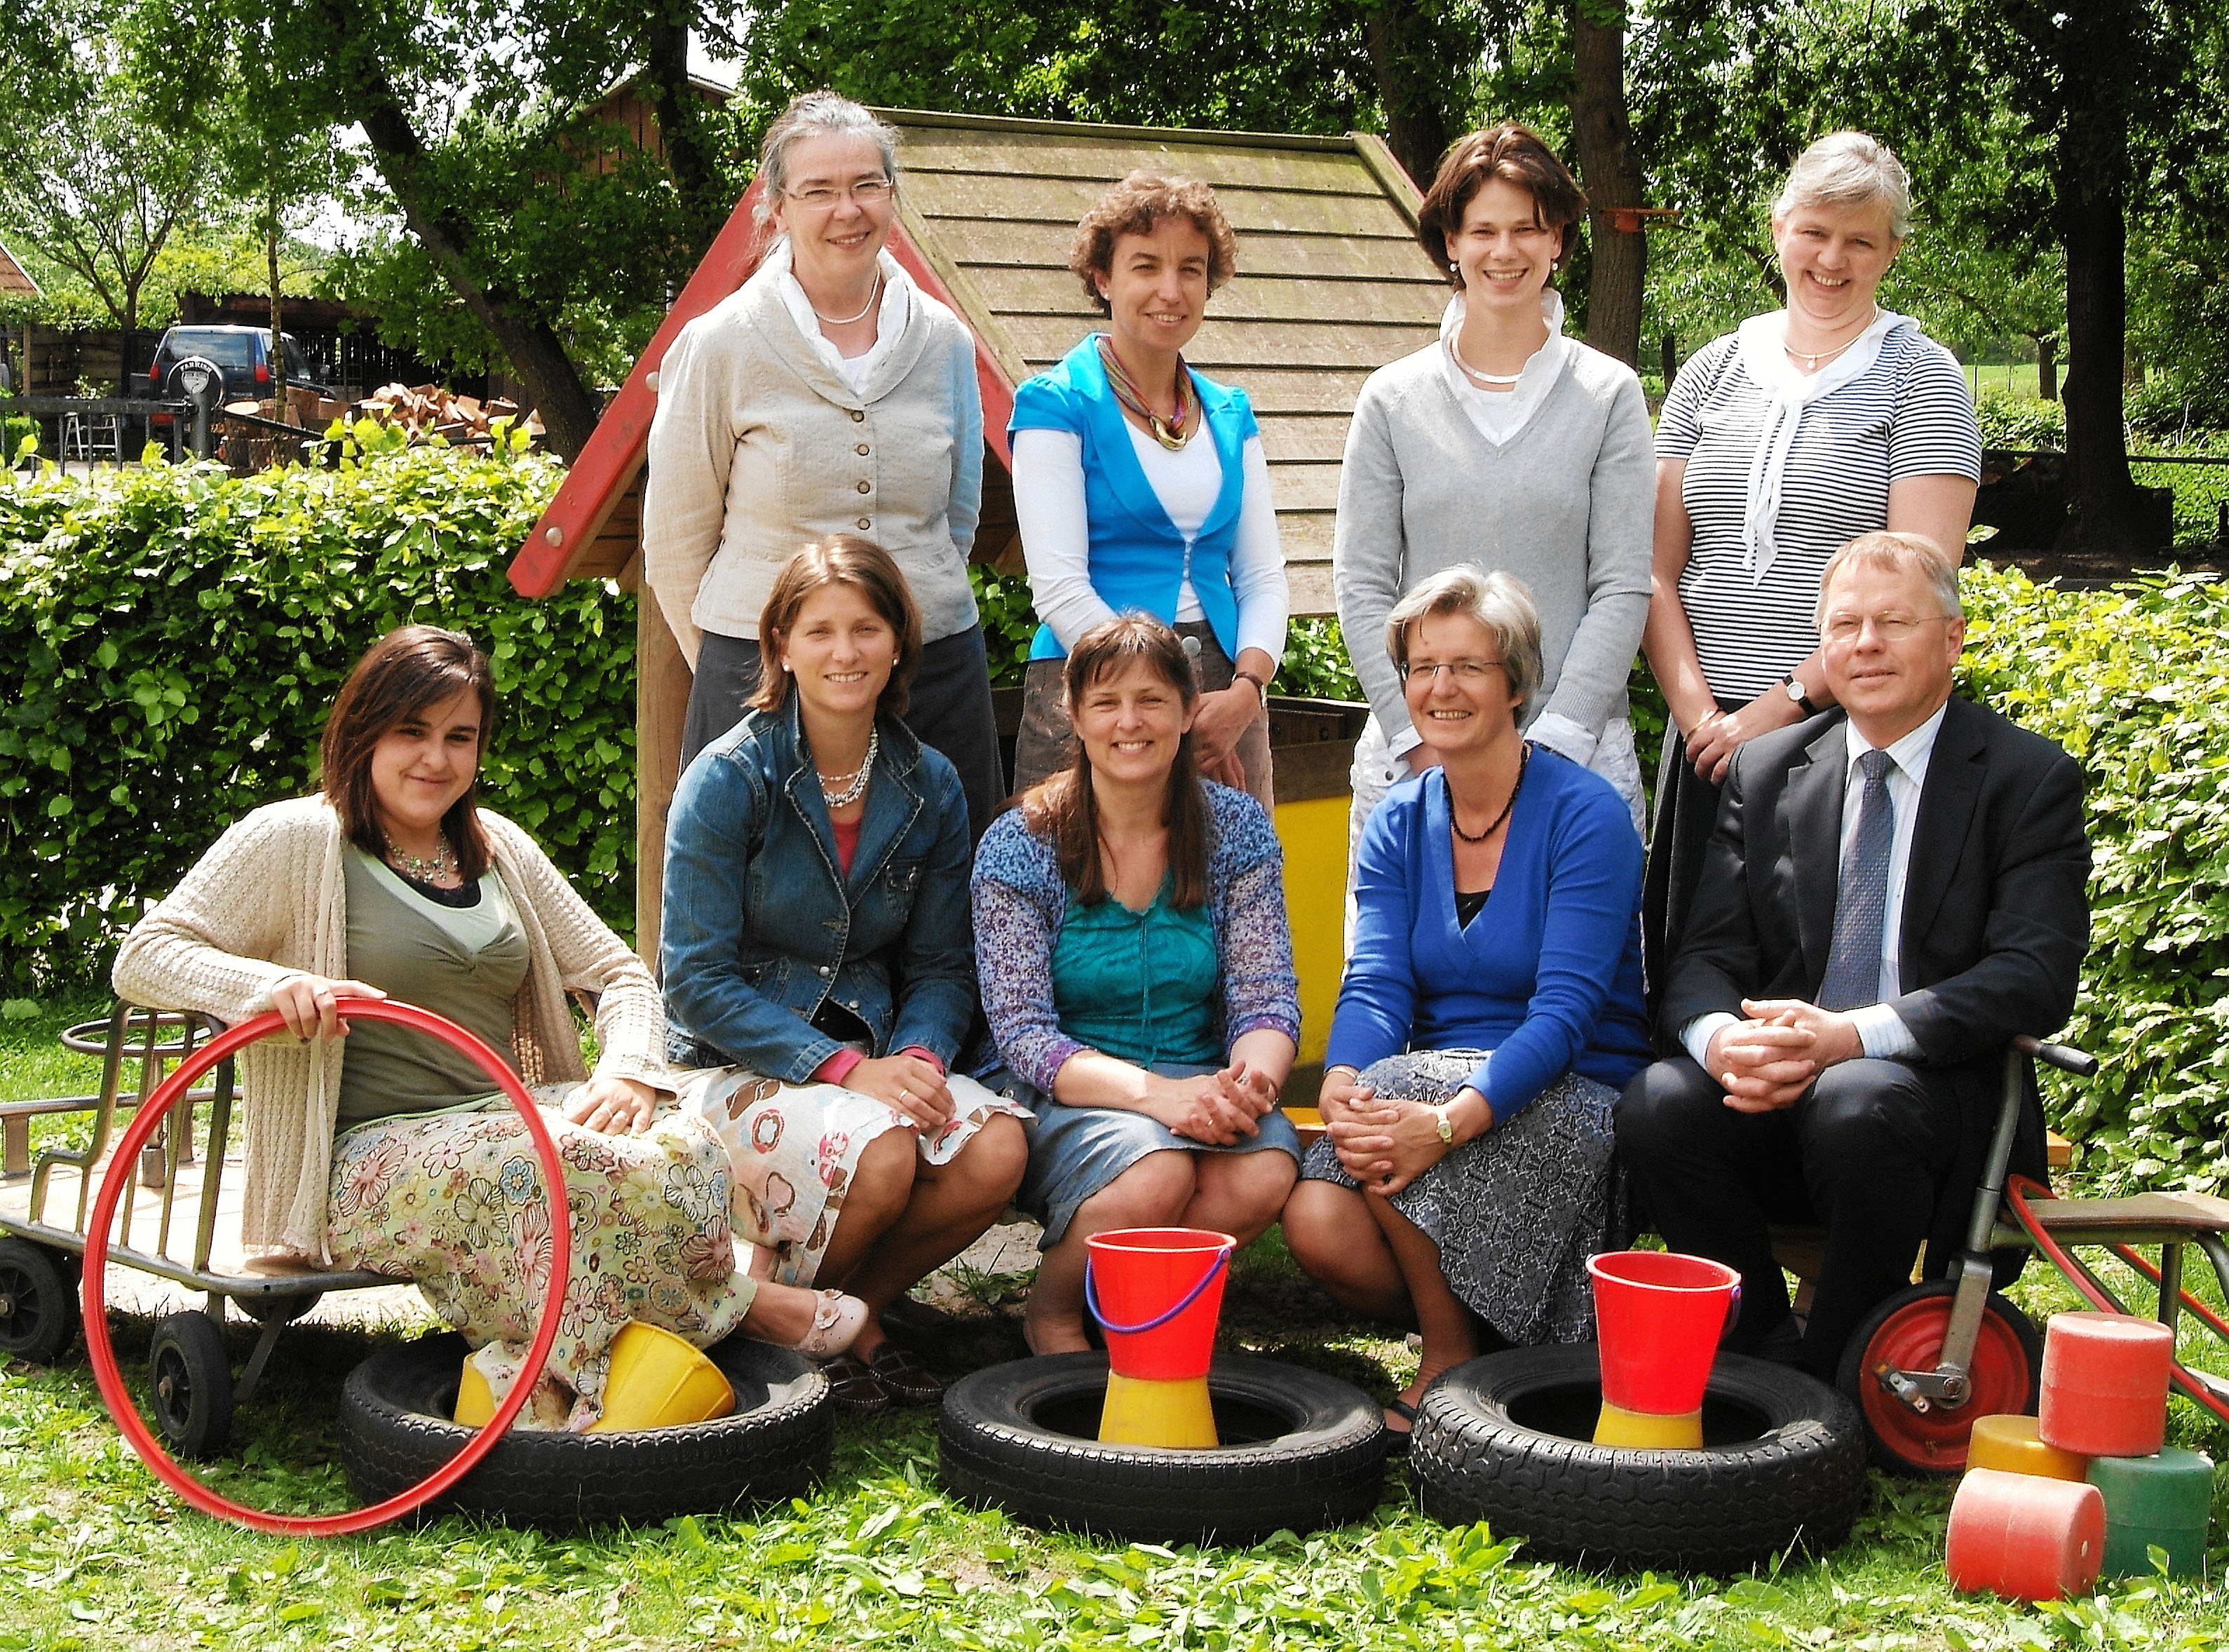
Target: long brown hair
1062 807
840 559
406 673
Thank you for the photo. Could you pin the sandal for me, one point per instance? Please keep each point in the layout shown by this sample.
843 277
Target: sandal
907 1380
837 1320
854 1388
1397 1439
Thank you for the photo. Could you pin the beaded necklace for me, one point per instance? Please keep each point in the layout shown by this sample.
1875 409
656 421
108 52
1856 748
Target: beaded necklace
1171 433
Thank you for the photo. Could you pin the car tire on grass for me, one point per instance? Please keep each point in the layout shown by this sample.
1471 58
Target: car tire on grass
395 1432
1306 1451
1507 1439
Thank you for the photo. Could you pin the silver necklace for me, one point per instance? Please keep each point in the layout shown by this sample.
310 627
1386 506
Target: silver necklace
442 865
1483 378
841 791
1829 355
873 293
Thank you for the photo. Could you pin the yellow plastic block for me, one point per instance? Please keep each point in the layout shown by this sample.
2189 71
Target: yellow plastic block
2011 1445
1314 836
1142 1411
1680 1432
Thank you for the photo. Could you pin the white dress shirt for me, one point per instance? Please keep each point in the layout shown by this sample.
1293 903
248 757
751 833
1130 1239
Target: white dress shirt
1050 508
1880 1030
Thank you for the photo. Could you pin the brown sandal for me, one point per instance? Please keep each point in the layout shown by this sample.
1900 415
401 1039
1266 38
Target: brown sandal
904 1378
854 1388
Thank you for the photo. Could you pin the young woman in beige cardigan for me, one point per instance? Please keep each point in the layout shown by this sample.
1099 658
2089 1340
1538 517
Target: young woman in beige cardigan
369 1146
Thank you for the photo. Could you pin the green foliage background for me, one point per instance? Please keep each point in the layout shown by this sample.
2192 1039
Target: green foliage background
169 641
172 637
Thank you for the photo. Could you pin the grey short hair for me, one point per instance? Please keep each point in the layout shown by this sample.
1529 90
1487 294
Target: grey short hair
817 114
1497 601
1898 553
1848 168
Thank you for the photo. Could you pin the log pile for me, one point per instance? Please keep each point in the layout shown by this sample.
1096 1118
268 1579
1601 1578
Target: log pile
429 410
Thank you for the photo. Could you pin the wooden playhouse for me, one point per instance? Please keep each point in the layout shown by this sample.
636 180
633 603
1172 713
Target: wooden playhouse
1331 286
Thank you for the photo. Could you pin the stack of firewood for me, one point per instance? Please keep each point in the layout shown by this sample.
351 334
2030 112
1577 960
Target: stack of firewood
429 410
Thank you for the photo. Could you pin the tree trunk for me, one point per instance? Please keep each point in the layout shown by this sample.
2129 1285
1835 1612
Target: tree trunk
681 134
2046 368
1407 71
1603 134
277 320
1668 359
2092 165
567 406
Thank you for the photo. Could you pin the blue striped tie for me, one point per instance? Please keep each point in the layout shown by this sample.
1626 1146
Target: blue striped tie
1853 964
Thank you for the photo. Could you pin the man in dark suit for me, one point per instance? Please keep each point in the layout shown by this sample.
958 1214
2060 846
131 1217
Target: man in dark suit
1894 889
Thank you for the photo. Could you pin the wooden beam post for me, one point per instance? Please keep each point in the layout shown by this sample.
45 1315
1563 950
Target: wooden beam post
662 680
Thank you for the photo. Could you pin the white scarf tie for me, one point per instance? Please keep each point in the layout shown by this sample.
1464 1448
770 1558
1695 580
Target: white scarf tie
1762 344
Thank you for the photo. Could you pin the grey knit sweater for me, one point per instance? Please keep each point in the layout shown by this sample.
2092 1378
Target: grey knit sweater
1567 505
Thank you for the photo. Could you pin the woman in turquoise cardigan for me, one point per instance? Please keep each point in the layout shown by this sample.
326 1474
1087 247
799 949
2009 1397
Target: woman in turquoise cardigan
1490 1014
1122 509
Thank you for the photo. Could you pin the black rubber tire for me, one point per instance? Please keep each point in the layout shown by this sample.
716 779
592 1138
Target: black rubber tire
189 1385
395 1432
2007 1376
1507 1439
1020 1436
38 1302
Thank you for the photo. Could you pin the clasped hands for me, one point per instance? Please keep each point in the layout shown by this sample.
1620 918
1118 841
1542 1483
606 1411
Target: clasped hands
1767 1062
911 1086
1385 1142
1222 716
1216 1108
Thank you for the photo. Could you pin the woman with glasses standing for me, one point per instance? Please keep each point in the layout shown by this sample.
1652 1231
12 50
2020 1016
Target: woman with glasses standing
828 395
1490 1014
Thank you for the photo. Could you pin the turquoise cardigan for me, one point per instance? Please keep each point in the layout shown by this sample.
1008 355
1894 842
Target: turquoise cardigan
1135 553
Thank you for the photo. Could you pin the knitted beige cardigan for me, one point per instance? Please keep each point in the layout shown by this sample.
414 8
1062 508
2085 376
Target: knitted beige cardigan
269 900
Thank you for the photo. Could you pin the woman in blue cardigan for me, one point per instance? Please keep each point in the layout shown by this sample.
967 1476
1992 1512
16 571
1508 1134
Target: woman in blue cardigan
1490 1014
1122 507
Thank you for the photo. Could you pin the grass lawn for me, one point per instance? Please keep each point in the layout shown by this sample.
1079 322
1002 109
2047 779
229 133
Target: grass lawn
104 1557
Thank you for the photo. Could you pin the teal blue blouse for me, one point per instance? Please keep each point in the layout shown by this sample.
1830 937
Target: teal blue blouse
1139 986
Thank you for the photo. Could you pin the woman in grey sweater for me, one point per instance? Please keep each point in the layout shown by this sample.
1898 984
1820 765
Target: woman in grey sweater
1509 447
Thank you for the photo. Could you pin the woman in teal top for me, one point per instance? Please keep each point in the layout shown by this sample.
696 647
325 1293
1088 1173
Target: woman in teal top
1137 970
1140 486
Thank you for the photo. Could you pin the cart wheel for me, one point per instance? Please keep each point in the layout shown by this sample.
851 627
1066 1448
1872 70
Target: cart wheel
38 1309
1906 1332
190 1375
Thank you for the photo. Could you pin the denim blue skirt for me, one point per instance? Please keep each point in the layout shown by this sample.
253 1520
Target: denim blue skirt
1075 1151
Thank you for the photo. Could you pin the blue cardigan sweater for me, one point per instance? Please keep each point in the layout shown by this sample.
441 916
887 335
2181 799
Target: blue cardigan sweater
1547 977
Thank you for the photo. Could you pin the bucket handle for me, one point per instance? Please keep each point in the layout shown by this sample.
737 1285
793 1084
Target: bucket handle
1091 1299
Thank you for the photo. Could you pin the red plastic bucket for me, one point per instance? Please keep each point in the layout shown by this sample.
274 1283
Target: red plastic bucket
1659 1316
1158 1293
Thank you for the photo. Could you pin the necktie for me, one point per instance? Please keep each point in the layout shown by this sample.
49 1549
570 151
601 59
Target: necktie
1853 964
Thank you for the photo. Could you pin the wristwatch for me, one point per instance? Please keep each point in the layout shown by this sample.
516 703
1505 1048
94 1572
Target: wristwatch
1447 1125
1802 701
1260 687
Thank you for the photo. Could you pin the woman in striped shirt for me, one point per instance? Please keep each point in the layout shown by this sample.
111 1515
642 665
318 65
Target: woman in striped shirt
1796 432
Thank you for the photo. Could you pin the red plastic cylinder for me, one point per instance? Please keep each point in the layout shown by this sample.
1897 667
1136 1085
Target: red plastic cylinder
2104 1385
1659 1316
2024 1537
1139 1274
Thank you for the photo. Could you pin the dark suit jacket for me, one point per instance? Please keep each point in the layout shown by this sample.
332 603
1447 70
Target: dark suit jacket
1996 915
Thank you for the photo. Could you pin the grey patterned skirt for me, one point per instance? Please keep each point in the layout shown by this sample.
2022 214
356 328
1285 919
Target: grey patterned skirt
1517 1211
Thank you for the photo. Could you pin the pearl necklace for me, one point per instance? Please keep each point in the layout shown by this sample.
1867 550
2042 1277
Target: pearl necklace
873 293
441 866
841 791
1829 355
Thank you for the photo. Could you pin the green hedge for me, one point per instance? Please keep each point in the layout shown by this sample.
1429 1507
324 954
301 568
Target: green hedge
169 639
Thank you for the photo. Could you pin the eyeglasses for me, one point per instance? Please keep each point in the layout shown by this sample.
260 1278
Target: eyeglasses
1891 628
867 191
1463 671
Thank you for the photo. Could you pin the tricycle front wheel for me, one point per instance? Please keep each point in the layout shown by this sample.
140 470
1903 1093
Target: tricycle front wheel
1906 1333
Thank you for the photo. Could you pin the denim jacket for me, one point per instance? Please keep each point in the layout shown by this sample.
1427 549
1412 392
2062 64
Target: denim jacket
761 930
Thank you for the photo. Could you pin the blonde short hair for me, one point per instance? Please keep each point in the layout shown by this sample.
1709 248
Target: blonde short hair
1497 601
1896 553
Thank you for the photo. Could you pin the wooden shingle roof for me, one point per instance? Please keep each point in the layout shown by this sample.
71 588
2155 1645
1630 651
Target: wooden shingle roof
1331 286
15 280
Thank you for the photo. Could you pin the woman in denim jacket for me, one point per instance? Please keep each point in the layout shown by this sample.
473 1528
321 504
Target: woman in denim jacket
817 963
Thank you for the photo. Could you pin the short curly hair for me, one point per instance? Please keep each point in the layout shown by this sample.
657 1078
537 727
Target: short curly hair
1511 152
1135 207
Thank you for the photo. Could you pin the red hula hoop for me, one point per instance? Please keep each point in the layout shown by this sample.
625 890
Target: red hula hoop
103 1352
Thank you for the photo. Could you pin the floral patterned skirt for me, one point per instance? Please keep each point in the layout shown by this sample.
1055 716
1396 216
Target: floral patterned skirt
793 1150
455 1202
1517 1211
